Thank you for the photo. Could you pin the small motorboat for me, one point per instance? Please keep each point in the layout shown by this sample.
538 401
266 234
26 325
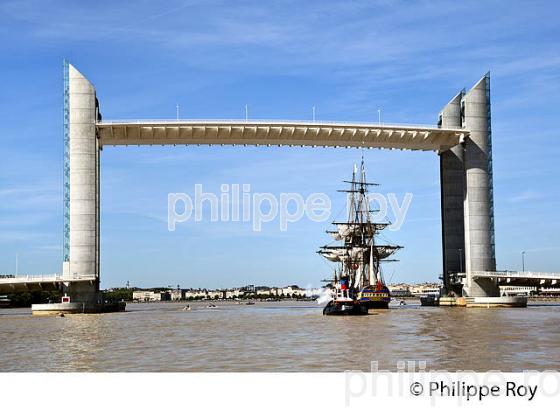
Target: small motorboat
344 302
429 300
5 302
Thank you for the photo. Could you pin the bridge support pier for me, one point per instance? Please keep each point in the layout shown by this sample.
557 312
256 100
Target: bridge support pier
467 193
81 199
82 224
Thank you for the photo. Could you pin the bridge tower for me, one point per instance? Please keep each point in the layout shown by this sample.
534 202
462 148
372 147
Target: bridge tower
467 192
452 185
81 186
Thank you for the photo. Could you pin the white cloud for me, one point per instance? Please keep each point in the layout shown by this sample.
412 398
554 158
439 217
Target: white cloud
525 196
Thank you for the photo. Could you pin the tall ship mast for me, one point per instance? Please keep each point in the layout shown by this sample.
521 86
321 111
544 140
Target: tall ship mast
358 252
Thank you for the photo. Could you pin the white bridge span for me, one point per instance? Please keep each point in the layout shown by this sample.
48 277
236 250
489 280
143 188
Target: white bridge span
279 133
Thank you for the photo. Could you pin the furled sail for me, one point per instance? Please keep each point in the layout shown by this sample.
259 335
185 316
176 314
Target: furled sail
357 252
384 251
334 255
344 231
348 230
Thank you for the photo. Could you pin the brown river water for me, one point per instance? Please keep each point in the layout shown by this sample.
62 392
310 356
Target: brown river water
280 336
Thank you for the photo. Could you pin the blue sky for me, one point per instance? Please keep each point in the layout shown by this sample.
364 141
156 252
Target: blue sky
280 58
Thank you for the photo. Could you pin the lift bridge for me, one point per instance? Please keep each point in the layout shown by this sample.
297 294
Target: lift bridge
462 140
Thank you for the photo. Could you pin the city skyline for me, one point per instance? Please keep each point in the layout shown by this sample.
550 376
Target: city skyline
135 243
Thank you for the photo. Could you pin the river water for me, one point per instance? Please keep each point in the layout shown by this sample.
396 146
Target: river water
281 336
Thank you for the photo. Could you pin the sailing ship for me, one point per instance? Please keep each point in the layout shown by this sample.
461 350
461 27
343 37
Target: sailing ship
358 281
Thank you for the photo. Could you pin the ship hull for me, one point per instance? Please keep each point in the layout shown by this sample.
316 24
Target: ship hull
344 309
375 298
376 304
429 300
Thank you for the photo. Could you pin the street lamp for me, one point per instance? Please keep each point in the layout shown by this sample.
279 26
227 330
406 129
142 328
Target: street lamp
523 260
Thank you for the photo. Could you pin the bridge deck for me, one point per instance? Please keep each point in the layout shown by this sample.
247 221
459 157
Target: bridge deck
26 282
512 278
515 275
292 133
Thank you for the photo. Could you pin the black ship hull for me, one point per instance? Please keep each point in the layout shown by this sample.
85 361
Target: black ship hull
344 309
376 304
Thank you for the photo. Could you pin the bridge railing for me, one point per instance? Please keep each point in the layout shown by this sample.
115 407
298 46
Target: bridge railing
274 121
516 274
30 278
56 277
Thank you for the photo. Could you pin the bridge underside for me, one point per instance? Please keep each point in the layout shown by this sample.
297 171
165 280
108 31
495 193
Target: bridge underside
510 278
44 282
30 287
314 134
